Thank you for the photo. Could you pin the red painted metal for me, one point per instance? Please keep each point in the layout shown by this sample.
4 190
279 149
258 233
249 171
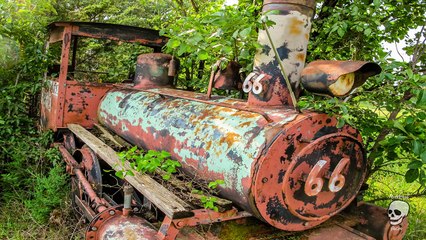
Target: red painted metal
81 102
311 150
170 228
226 79
67 100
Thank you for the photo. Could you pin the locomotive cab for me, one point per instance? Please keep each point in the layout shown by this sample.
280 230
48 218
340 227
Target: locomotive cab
70 94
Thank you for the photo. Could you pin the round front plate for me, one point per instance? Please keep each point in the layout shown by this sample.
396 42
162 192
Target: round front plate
324 177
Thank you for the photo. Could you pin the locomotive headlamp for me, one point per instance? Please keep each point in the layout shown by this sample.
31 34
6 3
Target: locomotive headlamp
337 78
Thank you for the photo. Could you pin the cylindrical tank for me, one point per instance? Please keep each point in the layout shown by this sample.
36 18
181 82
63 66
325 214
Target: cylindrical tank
293 170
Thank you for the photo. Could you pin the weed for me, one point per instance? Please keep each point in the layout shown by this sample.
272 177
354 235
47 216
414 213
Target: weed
147 162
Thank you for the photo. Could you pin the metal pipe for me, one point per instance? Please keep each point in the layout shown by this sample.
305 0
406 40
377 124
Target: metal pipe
289 35
128 192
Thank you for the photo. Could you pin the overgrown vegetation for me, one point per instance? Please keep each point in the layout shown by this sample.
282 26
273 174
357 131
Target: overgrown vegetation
389 109
147 162
159 163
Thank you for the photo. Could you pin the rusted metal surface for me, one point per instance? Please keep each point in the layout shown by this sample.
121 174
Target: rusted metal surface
312 148
92 169
112 224
99 204
228 78
152 70
338 232
290 35
374 221
78 103
208 141
337 78
170 228
144 36
68 101
53 94
82 100
127 206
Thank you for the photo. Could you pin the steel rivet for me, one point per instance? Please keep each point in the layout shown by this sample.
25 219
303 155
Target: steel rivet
306 224
135 209
111 212
264 180
94 228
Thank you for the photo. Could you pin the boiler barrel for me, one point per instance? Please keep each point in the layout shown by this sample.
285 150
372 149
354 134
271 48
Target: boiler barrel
292 170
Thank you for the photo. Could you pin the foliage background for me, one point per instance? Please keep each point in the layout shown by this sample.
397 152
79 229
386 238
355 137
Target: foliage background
389 109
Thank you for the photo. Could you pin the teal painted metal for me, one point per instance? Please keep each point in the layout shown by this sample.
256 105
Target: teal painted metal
213 142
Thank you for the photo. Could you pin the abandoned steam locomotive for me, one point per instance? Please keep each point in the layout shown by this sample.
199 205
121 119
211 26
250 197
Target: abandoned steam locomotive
289 169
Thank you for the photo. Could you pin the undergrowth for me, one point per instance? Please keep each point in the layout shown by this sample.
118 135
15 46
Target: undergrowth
32 177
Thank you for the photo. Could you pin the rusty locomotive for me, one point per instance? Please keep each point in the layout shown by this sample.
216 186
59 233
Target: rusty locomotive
289 169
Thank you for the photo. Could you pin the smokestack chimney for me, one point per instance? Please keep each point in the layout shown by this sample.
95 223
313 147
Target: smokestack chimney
289 35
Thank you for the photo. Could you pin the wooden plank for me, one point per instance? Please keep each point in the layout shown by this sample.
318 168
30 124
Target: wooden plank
166 201
222 204
108 135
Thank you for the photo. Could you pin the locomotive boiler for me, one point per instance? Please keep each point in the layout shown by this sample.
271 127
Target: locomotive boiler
291 169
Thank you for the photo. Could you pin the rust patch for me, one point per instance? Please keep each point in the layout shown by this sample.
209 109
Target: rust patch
296 26
301 57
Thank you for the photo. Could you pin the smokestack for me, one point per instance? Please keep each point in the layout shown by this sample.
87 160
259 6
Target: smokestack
290 34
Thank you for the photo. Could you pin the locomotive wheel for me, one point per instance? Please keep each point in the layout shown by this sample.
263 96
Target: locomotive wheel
92 171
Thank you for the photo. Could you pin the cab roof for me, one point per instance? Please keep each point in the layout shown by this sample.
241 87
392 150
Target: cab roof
116 32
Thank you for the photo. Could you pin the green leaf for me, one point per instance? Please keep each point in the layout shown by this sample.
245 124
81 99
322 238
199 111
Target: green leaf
415 164
130 173
411 175
409 73
203 55
423 157
421 99
340 32
367 31
119 174
245 32
340 123
399 126
417 147
173 43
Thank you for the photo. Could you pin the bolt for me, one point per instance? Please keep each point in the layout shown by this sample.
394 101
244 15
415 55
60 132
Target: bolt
180 224
135 209
306 224
112 212
264 180
94 228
